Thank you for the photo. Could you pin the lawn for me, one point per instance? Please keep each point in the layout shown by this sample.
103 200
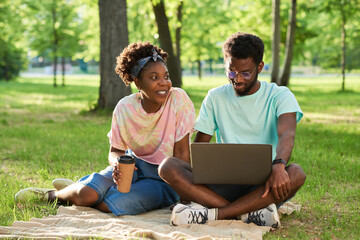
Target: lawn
47 133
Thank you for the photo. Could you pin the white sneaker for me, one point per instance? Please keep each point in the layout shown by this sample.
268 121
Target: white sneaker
190 214
61 183
32 193
264 217
195 205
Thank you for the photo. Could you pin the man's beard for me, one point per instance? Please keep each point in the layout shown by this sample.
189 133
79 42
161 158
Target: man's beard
247 89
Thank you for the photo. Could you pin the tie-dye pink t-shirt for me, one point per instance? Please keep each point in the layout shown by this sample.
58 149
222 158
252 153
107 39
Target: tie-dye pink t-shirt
151 136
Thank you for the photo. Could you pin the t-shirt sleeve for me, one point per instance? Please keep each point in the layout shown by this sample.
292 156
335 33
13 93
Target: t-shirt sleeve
287 103
205 122
114 135
185 115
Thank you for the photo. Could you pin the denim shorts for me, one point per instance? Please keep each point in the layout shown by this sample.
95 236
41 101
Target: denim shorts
148 190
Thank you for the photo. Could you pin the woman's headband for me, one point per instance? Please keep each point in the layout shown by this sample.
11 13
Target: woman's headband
141 63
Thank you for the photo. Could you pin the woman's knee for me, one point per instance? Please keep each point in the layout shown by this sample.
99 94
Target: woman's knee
85 196
170 167
166 167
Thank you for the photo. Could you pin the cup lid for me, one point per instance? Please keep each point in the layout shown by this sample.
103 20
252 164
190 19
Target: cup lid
127 159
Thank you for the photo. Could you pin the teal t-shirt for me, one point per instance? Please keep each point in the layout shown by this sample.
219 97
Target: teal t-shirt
246 119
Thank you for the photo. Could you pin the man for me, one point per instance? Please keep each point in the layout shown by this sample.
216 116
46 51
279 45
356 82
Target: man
244 111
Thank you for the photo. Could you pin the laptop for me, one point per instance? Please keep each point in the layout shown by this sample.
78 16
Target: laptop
227 163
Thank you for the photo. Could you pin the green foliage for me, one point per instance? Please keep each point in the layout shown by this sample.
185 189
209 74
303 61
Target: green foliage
27 26
89 32
11 27
139 28
53 25
11 60
12 56
253 17
201 34
325 18
304 17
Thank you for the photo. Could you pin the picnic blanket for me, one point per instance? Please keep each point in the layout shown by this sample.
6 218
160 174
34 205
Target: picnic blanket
77 222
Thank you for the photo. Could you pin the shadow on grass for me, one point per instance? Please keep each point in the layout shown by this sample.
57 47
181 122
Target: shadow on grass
319 101
44 95
331 139
326 152
46 89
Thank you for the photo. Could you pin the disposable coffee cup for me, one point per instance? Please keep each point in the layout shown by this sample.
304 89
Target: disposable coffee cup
126 168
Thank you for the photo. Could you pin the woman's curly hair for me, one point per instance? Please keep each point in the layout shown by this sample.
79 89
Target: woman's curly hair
129 57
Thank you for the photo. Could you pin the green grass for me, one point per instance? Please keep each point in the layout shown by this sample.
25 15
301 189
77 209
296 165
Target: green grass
48 132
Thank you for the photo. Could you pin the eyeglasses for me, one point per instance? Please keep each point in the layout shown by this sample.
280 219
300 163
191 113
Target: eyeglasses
232 75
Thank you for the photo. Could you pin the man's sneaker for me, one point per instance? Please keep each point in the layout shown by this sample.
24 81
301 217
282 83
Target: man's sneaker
27 194
185 214
61 183
195 205
187 203
264 217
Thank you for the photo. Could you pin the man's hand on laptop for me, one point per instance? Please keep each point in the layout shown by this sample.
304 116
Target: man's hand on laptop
278 183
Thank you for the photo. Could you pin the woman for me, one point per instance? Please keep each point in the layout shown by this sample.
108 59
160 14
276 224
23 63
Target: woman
150 125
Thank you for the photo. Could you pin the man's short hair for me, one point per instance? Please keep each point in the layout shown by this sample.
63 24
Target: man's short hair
244 45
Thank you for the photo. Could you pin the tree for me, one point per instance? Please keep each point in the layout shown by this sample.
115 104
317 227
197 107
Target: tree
53 25
275 50
166 42
12 44
341 35
89 36
70 29
290 39
141 22
206 26
343 10
55 34
179 14
113 39
11 59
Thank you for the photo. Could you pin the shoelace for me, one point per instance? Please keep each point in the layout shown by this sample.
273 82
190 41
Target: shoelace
198 217
255 217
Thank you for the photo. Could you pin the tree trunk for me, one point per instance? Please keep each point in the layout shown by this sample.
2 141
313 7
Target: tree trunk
192 68
7 74
290 39
199 69
343 46
55 68
56 39
113 39
276 41
166 43
63 70
178 34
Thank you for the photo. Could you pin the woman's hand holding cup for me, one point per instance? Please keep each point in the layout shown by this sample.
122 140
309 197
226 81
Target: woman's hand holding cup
123 173
116 175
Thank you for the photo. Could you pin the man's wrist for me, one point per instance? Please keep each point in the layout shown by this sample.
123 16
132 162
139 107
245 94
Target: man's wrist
279 160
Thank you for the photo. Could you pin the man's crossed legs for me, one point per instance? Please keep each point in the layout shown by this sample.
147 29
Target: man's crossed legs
211 203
